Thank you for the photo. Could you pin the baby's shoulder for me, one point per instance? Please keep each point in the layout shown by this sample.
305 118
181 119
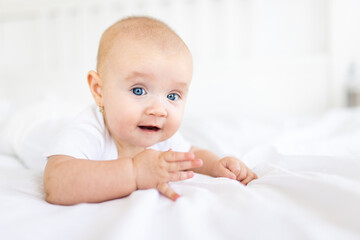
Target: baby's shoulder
85 136
88 121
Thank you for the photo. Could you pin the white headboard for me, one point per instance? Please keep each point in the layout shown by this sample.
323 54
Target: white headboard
279 56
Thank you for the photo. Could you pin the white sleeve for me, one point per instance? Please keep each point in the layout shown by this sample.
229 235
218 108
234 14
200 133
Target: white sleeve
76 142
84 138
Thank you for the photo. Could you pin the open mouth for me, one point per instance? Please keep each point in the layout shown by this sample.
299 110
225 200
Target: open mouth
149 128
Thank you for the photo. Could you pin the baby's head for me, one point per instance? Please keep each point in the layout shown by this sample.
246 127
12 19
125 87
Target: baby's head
143 74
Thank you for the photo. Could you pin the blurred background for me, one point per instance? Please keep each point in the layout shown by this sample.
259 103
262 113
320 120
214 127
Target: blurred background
270 57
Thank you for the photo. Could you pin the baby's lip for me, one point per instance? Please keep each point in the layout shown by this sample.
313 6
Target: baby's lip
149 127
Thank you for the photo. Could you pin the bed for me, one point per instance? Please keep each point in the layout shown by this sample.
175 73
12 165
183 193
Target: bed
278 106
308 186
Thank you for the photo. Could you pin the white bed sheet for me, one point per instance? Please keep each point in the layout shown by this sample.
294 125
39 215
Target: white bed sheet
295 198
308 188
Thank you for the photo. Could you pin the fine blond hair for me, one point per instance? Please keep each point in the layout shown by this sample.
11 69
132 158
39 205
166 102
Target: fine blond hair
139 28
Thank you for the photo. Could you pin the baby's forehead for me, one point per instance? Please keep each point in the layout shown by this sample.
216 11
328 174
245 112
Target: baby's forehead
148 62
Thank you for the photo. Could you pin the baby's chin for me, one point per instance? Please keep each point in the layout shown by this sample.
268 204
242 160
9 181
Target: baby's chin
148 144
147 141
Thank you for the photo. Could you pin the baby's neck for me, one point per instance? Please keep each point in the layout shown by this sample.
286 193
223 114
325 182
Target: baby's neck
128 150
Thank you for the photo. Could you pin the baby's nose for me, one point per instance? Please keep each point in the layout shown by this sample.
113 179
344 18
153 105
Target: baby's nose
156 108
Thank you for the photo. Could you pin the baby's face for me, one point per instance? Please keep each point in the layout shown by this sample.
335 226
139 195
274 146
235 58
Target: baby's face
144 92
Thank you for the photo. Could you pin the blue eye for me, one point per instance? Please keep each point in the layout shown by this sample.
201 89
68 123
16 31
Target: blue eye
173 96
139 91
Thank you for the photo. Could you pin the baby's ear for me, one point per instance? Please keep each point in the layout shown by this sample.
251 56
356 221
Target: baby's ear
95 85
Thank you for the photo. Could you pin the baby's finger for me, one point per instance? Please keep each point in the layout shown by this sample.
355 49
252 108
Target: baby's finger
184 165
234 167
178 156
243 174
180 176
167 191
251 176
224 172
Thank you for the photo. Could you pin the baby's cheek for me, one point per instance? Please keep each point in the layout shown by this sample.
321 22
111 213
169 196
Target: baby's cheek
173 125
117 124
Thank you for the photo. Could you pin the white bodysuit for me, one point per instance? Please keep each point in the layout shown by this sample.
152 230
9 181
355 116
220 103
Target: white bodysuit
87 137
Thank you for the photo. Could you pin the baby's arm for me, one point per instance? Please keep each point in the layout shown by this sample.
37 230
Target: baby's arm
68 180
229 167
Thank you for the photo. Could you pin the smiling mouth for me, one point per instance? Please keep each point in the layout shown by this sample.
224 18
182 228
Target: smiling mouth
149 128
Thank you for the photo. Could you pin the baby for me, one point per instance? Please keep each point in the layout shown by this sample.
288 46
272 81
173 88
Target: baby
144 71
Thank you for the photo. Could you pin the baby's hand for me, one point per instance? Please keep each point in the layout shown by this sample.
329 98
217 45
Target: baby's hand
154 169
233 168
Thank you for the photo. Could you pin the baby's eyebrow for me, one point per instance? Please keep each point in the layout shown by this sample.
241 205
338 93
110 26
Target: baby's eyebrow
135 74
181 85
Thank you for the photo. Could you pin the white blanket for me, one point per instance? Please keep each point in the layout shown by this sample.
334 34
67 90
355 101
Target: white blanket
308 188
